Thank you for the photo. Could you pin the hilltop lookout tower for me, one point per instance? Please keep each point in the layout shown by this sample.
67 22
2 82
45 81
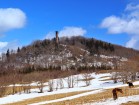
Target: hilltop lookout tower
57 40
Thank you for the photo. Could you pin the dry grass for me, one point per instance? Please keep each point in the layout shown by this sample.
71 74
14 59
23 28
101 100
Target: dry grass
76 52
97 97
104 71
46 98
107 71
130 102
9 90
106 79
81 100
86 79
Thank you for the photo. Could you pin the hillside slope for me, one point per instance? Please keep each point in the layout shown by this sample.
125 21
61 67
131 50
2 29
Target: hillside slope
69 53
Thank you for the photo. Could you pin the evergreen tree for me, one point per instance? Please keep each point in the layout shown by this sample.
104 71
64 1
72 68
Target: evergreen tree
8 53
18 50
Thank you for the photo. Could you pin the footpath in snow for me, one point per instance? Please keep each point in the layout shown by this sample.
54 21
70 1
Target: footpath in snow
68 98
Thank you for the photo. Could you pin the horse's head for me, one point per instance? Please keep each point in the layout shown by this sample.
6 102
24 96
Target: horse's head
127 82
121 91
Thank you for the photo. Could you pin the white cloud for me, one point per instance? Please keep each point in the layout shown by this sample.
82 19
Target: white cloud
128 23
131 7
132 42
114 24
11 18
68 32
4 46
50 35
72 31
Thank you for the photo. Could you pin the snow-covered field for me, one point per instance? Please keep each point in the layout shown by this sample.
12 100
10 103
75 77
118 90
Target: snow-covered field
97 85
120 100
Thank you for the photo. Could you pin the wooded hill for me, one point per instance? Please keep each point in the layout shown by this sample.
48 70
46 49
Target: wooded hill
75 53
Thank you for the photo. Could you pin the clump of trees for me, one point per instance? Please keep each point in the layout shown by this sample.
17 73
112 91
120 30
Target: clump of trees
87 78
127 71
22 83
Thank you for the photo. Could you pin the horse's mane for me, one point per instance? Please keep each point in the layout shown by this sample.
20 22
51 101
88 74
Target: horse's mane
119 90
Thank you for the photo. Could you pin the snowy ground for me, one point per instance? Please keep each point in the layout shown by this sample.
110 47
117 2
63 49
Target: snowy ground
97 85
117 102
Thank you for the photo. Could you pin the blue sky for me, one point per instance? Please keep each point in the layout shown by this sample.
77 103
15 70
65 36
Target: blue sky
22 22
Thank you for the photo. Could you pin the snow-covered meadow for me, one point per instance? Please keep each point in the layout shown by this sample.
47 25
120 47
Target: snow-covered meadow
98 84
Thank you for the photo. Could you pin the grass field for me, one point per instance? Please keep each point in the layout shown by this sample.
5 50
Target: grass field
98 97
18 89
79 97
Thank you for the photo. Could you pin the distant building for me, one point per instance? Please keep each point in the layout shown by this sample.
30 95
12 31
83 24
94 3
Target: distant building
57 40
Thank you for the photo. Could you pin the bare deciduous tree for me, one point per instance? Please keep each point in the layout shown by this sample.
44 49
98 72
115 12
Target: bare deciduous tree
3 85
59 83
87 78
26 83
13 79
71 80
51 85
115 76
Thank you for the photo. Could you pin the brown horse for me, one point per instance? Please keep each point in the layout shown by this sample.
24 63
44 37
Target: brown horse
115 91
